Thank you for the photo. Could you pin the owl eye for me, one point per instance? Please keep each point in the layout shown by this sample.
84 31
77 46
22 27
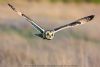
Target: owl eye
51 34
47 33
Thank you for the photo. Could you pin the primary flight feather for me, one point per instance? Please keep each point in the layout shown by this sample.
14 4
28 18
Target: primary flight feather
28 19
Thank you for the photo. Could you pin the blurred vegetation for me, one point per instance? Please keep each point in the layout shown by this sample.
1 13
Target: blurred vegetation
76 1
1 1
56 1
29 34
25 33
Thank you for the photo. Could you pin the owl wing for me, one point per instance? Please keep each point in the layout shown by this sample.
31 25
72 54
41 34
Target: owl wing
28 19
75 23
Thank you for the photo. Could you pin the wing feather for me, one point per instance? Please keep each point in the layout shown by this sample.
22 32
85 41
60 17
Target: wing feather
77 22
28 19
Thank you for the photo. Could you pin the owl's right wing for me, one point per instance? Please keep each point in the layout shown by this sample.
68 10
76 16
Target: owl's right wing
28 19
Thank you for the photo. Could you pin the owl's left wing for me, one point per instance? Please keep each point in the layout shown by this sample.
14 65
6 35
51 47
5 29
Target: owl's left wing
77 22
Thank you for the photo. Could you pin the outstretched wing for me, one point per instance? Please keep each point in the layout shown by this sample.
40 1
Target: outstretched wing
28 19
77 22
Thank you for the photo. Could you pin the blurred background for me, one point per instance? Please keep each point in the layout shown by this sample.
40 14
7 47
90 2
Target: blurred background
73 47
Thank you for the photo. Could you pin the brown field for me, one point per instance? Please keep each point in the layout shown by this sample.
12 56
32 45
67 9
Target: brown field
73 47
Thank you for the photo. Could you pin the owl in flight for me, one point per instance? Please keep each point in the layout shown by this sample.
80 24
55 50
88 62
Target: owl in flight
49 34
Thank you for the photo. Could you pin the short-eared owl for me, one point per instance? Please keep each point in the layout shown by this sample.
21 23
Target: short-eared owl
49 34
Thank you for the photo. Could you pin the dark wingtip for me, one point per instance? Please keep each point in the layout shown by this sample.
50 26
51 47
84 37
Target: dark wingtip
91 17
8 4
11 6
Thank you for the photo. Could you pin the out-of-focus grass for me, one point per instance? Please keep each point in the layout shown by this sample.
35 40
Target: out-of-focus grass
22 48
29 34
25 33
75 1
82 36
15 51
96 1
56 1
2 1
